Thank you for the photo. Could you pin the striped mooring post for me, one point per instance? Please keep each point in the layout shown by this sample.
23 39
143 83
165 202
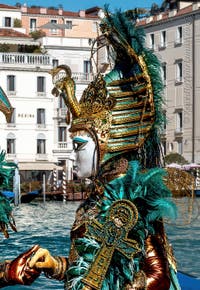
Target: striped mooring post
197 178
64 186
54 180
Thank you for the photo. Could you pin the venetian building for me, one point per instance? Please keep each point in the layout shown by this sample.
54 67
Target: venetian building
33 41
174 35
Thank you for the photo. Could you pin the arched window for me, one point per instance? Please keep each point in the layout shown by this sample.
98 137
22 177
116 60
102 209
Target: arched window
41 144
10 148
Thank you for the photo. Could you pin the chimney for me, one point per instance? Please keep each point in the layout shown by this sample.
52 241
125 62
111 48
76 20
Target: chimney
24 8
43 10
60 11
159 16
172 13
81 13
149 19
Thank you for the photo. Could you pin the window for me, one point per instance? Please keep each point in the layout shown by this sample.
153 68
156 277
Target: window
32 24
179 122
164 73
94 27
180 147
41 146
54 30
13 117
179 35
87 66
164 147
11 143
152 41
163 39
171 146
179 71
62 134
11 83
68 24
41 84
61 103
7 21
55 62
41 116
164 125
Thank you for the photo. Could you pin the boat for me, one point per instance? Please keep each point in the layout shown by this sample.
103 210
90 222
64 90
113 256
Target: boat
9 194
197 192
29 196
188 282
24 197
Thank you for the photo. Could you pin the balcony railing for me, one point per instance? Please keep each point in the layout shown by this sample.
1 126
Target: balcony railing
25 58
83 77
62 145
61 112
11 156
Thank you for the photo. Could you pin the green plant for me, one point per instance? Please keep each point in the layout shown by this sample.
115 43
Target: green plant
17 22
4 47
175 158
37 34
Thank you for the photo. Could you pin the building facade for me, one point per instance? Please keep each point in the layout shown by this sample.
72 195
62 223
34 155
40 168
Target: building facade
37 137
174 36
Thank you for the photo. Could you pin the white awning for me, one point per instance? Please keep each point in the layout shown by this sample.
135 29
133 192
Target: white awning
38 166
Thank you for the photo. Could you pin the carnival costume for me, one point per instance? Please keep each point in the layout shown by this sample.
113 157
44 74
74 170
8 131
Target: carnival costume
16 271
118 239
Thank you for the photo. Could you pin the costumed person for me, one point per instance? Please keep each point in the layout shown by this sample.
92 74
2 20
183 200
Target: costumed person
16 271
118 239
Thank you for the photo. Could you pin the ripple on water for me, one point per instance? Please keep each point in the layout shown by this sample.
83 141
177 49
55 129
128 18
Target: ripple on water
49 225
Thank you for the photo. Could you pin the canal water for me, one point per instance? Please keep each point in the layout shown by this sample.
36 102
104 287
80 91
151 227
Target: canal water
49 226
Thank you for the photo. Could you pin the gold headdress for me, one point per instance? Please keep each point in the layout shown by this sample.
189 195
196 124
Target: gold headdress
118 108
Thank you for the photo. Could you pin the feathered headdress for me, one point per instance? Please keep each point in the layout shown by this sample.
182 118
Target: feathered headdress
6 173
121 110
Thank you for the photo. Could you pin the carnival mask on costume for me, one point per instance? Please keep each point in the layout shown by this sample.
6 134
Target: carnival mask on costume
86 155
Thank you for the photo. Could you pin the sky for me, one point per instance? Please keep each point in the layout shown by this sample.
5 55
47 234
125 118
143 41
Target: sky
76 5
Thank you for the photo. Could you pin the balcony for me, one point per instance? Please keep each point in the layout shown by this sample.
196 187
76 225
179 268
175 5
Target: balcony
179 80
11 157
40 126
63 148
178 132
62 145
61 113
162 46
178 42
83 77
32 59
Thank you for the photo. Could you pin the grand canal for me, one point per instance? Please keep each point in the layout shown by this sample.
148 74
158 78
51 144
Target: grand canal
48 224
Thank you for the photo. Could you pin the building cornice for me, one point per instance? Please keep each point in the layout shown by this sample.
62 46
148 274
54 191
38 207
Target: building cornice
169 19
25 68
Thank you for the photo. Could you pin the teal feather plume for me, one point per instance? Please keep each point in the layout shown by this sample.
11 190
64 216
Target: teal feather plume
6 173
